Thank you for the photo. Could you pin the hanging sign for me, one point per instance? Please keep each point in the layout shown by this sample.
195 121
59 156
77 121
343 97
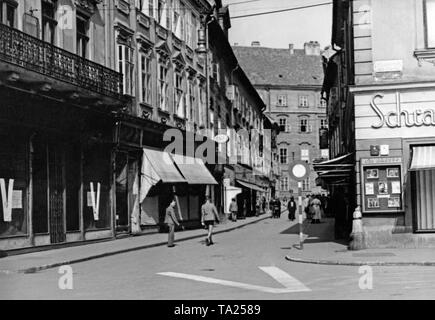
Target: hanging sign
95 199
7 199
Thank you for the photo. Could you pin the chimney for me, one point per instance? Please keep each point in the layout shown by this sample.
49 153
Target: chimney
255 43
312 48
291 48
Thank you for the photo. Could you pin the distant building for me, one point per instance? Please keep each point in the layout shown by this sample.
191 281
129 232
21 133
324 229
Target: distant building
289 81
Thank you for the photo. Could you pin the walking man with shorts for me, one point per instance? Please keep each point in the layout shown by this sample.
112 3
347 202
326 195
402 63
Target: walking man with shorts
208 216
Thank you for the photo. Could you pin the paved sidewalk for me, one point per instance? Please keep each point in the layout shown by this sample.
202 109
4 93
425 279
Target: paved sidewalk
35 261
321 248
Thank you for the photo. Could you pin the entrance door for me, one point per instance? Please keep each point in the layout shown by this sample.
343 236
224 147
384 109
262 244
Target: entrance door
56 194
424 200
121 179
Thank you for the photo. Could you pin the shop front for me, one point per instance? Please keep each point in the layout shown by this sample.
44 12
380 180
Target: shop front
395 165
55 173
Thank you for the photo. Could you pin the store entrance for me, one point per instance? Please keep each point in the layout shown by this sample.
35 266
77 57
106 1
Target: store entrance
56 193
121 179
424 200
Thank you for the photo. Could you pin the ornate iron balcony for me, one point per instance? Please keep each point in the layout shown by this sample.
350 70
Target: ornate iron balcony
26 51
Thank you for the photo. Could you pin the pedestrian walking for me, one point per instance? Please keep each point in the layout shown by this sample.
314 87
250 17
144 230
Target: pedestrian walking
233 209
291 206
263 205
208 216
272 207
277 208
316 209
171 221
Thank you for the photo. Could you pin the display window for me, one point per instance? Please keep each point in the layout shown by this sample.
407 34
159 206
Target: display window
381 185
13 184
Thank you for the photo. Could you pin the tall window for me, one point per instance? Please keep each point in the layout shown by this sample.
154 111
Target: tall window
284 184
201 104
191 29
306 184
162 13
179 94
48 22
146 7
323 123
125 66
190 101
283 155
162 86
304 126
283 125
82 36
305 154
145 78
8 13
282 100
430 23
303 101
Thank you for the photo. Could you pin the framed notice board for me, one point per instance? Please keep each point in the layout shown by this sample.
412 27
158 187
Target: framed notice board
381 184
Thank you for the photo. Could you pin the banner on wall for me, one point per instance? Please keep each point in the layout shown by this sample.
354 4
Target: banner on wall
7 199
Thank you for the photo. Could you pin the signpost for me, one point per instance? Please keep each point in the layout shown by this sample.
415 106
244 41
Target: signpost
299 171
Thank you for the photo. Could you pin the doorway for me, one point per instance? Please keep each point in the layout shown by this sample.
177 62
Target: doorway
56 193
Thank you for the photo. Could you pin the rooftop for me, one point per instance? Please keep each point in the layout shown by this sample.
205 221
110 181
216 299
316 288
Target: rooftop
272 66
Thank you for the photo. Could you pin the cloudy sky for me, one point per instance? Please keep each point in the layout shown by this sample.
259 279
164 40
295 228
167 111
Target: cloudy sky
279 29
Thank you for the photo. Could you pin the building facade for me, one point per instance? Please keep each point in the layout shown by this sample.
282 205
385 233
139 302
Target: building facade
381 110
106 102
289 82
58 95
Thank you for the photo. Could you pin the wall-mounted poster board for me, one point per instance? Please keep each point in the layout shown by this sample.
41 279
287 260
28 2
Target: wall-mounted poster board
381 184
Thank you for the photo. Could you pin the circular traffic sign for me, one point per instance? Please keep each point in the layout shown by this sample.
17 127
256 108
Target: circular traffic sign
299 170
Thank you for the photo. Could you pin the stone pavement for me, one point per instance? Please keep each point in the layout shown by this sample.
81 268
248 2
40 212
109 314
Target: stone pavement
320 248
35 261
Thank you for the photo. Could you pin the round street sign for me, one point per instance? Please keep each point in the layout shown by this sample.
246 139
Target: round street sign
221 138
299 170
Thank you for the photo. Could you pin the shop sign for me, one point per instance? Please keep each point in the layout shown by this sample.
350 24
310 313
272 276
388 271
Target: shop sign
401 117
381 160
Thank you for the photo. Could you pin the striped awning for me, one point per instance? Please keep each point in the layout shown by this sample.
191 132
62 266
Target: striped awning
193 170
423 158
163 165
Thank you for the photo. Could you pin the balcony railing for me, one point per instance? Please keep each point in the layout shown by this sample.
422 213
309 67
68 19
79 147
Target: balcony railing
34 54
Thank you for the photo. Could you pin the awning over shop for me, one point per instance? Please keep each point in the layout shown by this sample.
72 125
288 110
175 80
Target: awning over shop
164 166
193 170
250 186
157 166
334 171
423 158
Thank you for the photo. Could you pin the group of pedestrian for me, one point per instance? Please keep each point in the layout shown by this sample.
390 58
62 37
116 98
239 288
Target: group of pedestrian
209 215
275 207
260 208
315 206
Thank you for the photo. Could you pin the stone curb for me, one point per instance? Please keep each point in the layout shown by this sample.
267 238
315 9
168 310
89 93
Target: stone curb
361 263
112 253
